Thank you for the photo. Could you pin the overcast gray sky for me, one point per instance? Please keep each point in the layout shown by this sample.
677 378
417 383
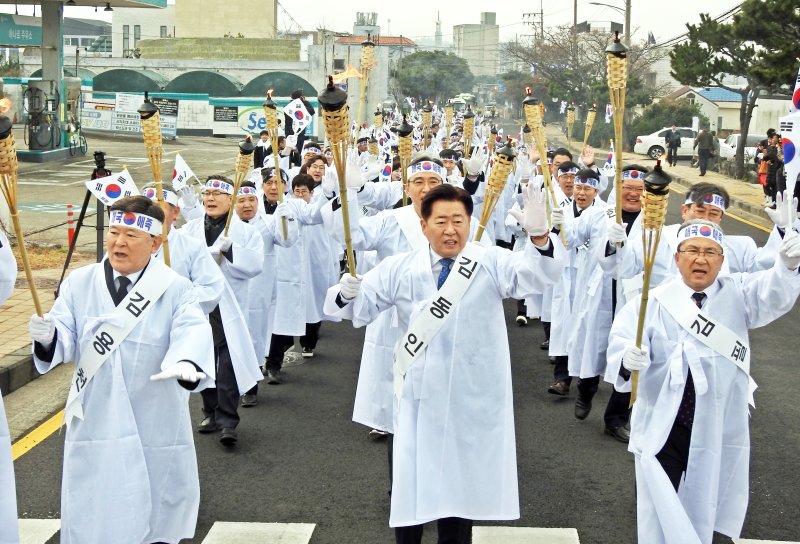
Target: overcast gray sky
416 19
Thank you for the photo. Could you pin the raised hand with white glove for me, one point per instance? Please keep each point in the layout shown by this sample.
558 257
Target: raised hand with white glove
330 182
349 287
617 234
352 177
636 358
780 215
182 370
188 196
789 251
223 244
42 329
473 165
374 168
533 216
557 216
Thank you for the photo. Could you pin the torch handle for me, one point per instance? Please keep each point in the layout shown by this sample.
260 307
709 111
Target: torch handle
546 175
650 240
279 182
23 253
339 149
164 226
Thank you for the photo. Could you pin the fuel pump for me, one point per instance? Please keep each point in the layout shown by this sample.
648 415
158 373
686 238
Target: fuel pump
40 102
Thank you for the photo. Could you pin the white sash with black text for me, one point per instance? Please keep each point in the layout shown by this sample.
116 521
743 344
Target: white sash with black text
709 332
115 328
436 313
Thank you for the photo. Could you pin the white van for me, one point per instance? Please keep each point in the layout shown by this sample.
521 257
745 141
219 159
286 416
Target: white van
727 149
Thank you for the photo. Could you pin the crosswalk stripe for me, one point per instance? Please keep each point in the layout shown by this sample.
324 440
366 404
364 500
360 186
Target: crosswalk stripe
523 535
37 531
751 541
275 533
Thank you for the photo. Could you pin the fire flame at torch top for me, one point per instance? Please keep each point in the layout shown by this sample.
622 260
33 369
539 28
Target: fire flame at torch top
151 131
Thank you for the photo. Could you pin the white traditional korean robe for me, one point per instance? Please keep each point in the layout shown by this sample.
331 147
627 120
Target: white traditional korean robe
9 533
714 494
247 258
454 445
262 298
130 470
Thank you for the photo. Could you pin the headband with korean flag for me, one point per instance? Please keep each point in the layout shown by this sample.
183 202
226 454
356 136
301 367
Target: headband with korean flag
587 180
218 185
169 196
700 230
139 221
425 167
633 174
247 191
711 199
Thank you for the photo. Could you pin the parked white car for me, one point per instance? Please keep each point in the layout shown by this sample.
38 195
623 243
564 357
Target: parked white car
727 149
653 144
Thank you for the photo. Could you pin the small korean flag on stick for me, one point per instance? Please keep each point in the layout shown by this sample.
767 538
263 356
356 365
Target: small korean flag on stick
181 174
796 94
110 189
299 115
790 136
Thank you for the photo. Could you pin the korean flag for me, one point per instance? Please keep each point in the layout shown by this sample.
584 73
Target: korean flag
110 189
790 136
181 174
299 115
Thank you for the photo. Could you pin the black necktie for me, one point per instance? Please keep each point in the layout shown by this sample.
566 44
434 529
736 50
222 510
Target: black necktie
122 290
685 417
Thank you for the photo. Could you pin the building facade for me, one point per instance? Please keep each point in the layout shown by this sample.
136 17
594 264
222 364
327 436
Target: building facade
479 45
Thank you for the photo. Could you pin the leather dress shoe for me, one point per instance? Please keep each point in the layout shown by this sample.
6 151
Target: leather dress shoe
249 400
582 408
208 425
545 345
560 388
619 433
228 436
274 377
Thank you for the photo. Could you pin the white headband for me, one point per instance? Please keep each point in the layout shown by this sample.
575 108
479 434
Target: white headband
572 170
425 167
137 221
588 180
169 196
710 199
633 174
314 150
219 185
247 191
700 231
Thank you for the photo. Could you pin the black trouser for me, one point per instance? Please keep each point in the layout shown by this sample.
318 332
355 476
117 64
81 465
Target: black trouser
702 157
390 457
278 345
309 339
546 328
561 370
521 309
672 155
222 402
451 531
617 412
674 456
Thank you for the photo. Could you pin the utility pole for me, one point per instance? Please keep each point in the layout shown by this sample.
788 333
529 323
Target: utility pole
627 22
575 17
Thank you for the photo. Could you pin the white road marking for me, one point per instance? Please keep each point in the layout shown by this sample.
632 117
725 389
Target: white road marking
275 533
37 531
524 535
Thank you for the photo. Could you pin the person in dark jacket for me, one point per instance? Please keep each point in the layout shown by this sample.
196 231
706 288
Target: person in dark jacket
705 148
672 140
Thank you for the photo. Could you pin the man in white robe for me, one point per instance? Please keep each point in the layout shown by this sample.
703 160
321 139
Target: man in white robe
132 410
239 255
9 533
690 421
439 472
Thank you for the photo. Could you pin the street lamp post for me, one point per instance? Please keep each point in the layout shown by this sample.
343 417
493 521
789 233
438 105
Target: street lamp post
626 12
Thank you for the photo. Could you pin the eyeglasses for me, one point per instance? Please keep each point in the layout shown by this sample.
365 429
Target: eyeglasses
215 194
429 183
302 192
694 253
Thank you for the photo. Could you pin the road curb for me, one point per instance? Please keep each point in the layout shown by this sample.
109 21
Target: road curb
17 370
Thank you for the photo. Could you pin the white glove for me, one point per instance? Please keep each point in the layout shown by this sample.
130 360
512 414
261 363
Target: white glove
780 215
349 287
182 370
224 243
374 168
557 216
284 209
789 251
188 196
291 142
330 182
533 217
473 165
616 233
352 176
42 329
636 358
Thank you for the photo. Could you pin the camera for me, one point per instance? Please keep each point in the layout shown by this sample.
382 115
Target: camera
100 159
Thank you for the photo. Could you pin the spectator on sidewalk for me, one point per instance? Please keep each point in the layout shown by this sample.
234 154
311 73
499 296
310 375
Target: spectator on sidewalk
713 163
774 157
762 166
672 140
705 148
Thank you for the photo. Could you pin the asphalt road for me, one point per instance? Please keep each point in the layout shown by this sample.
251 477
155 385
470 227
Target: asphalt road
301 459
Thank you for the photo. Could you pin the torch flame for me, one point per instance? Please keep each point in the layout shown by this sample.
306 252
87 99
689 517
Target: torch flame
269 93
5 105
527 90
